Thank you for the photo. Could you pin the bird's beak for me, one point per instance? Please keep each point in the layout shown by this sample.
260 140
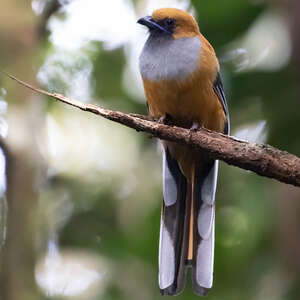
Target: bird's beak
151 24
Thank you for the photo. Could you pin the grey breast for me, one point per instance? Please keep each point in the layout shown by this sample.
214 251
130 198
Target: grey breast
164 58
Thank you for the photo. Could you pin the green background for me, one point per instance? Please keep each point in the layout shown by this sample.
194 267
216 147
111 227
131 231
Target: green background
90 191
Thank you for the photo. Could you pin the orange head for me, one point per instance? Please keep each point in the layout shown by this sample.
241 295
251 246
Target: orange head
175 49
171 21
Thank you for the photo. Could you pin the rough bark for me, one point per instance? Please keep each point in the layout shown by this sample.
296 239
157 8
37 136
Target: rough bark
262 159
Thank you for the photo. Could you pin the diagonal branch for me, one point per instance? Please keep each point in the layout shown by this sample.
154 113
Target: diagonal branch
262 159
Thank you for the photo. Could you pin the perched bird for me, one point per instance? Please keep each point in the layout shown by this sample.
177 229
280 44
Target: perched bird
182 84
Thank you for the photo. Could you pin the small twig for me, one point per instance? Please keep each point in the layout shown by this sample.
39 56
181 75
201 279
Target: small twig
262 159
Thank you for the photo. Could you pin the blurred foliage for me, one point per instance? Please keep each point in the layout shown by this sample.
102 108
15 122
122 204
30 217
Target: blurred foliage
115 210
223 21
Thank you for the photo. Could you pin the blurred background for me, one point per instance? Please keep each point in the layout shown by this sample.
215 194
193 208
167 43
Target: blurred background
80 197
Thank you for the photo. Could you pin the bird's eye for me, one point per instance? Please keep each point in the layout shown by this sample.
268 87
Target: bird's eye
169 22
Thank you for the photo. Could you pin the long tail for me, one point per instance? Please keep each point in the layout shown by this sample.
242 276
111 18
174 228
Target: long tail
187 228
204 189
173 240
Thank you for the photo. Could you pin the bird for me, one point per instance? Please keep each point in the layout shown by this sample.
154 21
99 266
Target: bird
183 87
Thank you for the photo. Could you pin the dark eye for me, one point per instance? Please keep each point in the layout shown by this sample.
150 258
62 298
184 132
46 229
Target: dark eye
169 22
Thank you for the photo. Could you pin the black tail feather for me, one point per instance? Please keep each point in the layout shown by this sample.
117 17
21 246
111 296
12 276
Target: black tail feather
173 240
175 227
204 219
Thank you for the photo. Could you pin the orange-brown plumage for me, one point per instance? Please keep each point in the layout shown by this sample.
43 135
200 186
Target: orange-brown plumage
180 73
190 101
186 25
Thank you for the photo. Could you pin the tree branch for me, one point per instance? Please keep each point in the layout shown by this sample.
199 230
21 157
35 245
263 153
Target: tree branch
262 159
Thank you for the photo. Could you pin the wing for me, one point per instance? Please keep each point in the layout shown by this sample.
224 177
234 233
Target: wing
219 90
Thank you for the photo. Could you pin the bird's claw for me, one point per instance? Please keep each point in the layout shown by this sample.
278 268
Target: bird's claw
195 126
166 119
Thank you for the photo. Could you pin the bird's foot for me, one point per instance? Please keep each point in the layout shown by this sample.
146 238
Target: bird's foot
166 119
195 126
